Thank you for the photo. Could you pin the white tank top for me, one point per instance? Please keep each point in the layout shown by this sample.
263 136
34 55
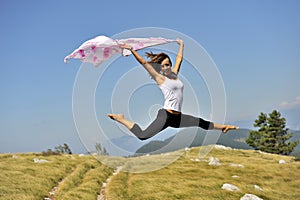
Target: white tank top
172 91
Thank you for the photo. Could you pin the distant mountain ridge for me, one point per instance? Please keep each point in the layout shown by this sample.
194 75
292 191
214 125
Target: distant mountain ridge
191 137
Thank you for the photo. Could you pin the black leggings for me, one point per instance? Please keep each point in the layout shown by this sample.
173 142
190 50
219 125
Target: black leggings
165 119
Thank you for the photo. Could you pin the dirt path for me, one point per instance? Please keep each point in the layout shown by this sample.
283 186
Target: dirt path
53 191
55 188
101 196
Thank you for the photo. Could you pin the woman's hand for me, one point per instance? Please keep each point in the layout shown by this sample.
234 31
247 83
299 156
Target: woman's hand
179 41
125 46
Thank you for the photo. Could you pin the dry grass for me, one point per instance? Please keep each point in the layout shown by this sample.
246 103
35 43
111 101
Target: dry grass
21 178
84 182
82 177
186 179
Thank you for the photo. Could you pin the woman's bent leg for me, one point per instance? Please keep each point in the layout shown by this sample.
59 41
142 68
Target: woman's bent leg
154 128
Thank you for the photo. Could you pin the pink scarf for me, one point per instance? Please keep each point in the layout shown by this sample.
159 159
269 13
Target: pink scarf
101 48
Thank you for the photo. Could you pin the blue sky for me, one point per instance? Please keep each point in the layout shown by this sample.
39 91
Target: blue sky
255 45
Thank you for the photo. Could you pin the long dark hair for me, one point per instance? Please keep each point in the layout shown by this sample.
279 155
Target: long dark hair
156 60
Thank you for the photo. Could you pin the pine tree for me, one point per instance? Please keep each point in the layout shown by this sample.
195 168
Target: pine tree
272 135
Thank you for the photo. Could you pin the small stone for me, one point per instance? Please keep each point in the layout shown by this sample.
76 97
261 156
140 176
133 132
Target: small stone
214 161
236 165
230 187
257 188
187 149
250 197
282 162
36 160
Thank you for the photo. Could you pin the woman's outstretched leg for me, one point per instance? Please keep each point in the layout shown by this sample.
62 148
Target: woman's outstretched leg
190 121
120 118
155 127
224 127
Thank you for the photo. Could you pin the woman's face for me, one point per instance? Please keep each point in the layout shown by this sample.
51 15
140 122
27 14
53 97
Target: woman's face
166 66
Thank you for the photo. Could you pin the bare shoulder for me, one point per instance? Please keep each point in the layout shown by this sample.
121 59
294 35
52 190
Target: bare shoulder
160 79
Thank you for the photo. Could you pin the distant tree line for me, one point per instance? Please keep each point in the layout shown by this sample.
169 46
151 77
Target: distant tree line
58 150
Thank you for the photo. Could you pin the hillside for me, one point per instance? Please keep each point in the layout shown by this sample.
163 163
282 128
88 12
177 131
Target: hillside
186 138
192 178
32 176
187 176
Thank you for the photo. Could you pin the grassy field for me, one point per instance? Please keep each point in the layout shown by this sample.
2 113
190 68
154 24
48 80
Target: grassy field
187 179
82 177
76 177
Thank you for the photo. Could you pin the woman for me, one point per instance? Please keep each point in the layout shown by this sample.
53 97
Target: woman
159 68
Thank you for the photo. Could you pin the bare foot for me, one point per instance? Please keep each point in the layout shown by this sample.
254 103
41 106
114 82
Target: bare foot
116 117
229 127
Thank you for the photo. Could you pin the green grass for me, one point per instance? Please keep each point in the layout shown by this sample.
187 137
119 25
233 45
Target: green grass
82 177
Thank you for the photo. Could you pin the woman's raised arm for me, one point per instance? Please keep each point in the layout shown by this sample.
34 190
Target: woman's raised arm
154 74
179 57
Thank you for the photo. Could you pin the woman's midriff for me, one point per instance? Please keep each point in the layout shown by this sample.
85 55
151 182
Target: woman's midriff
173 112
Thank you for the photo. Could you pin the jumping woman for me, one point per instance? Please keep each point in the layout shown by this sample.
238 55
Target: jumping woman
160 69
